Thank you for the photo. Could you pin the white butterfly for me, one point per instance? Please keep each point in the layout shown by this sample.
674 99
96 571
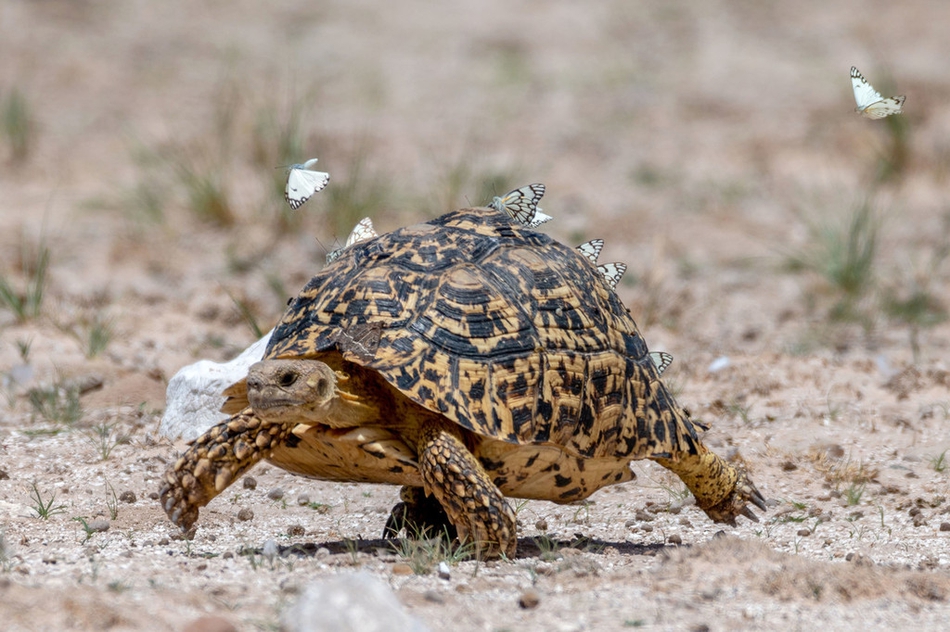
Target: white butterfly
612 272
590 250
870 102
662 360
363 231
303 183
522 205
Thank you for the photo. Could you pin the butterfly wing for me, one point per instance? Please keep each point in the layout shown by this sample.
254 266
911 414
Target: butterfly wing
538 219
590 250
612 273
869 101
522 204
361 232
302 184
662 360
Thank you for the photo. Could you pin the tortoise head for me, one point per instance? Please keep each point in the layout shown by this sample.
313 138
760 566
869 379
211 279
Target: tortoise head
291 390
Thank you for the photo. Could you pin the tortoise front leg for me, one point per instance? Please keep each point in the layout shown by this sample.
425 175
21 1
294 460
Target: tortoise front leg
473 503
215 460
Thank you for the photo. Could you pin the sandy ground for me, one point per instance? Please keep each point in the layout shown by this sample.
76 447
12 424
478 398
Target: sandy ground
710 144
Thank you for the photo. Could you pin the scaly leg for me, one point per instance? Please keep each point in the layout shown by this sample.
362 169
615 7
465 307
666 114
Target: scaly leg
473 503
721 490
215 460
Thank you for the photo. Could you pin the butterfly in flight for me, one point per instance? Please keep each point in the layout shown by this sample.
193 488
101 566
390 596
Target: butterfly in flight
302 183
870 103
612 272
363 231
590 250
662 360
522 205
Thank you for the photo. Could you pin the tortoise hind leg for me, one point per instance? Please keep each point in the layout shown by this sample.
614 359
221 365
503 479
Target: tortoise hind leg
721 490
418 515
470 498
215 460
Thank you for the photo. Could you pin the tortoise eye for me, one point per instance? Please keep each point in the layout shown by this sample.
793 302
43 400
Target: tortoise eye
287 379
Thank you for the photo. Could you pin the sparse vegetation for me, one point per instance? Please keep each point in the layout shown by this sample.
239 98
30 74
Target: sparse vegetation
424 552
26 305
939 462
87 530
105 437
45 508
57 403
853 493
18 126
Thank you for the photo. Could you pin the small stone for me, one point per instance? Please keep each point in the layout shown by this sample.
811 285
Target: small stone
303 499
127 496
920 520
945 526
210 624
269 550
228 555
644 516
275 494
296 530
163 542
99 525
245 514
529 599
153 496
433 596
444 572
401 568
804 532
3 475
250 482
322 553
674 539
541 524
646 528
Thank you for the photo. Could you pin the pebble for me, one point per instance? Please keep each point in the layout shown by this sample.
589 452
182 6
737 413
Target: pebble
354 602
269 550
276 494
303 499
945 526
99 525
541 524
444 572
250 482
674 539
804 532
127 496
296 530
401 568
210 624
433 596
245 514
529 599
3 475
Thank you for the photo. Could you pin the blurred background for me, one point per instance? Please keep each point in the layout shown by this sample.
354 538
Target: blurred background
714 145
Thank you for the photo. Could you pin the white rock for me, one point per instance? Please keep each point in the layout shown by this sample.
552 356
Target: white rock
355 602
720 363
193 398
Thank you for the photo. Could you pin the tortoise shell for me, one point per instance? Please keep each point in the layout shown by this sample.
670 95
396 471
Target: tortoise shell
501 329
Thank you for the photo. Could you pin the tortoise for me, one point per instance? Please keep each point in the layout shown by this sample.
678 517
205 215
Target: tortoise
468 359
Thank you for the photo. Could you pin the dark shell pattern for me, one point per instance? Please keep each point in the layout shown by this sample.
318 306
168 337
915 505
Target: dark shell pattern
500 328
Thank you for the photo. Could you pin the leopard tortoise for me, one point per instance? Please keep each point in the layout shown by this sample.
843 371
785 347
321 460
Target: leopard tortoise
467 359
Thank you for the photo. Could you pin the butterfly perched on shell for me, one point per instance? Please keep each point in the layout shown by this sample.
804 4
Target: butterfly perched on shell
361 232
522 205
612 273
590 250
302 183
662 360
870 103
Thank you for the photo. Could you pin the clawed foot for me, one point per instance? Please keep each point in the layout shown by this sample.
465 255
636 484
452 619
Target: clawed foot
736 503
